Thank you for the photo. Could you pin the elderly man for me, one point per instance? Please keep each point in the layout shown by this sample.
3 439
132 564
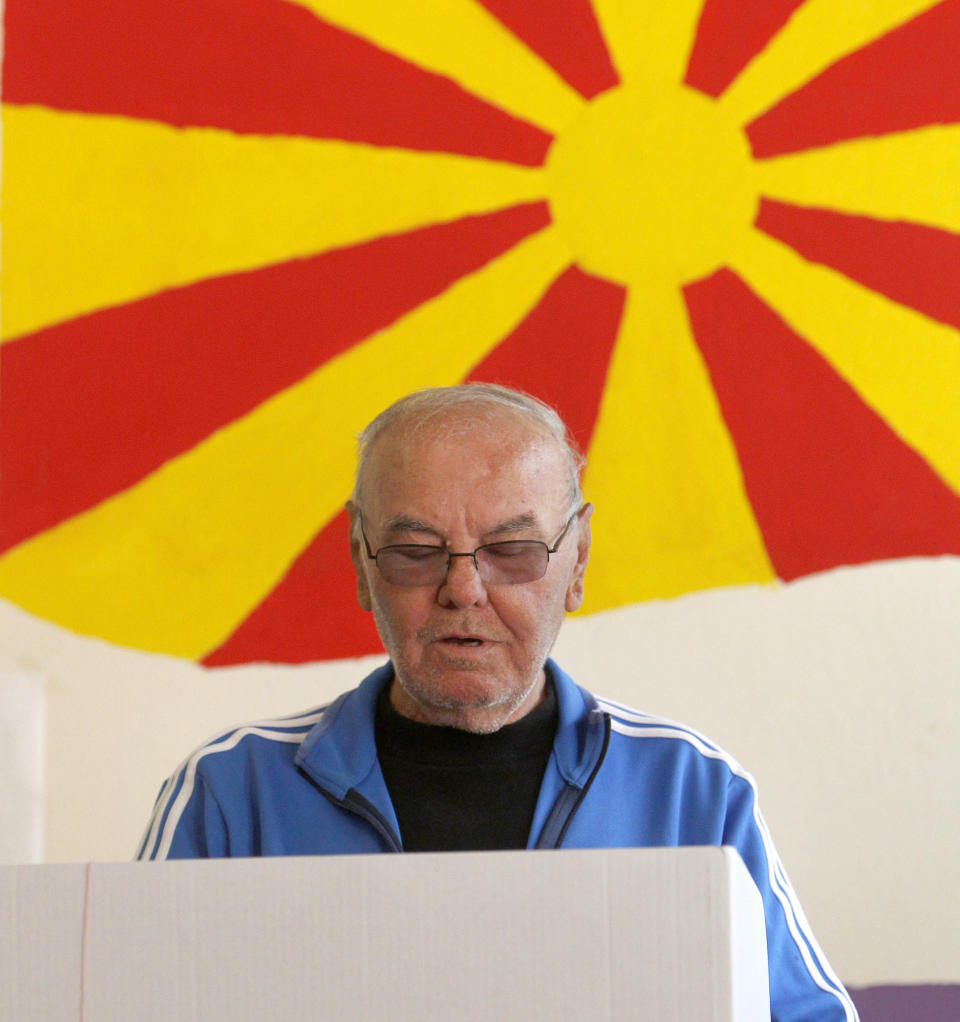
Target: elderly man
470 540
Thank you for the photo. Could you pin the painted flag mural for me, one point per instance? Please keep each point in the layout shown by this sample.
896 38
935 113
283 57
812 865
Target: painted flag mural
722 237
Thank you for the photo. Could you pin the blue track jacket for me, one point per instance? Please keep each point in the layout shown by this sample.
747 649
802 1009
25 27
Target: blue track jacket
310 784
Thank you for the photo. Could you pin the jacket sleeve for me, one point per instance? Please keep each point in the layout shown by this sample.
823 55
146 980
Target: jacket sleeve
187 822
803 987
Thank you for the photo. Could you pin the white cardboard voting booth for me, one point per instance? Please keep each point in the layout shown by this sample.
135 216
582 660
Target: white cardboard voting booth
666 935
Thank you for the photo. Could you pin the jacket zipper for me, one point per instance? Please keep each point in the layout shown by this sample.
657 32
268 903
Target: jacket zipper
355 803
566 806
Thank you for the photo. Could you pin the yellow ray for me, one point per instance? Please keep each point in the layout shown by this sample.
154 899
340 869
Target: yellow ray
102 210
910 176
649 42
671 511
175 562
819 33
461 40
905 366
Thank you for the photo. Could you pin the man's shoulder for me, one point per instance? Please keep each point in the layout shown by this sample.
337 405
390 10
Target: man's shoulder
639 731
629 718
222 771
270 740
283 730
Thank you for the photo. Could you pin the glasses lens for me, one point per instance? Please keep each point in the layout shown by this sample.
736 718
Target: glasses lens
513 562
510 563
414 565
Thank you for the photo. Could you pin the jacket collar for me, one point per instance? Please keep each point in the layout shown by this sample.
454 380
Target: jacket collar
580 728
340 752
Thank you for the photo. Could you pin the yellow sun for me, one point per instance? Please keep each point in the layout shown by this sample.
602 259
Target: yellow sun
648 179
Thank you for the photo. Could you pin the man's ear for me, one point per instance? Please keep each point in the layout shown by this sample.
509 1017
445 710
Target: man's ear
575 587
358 556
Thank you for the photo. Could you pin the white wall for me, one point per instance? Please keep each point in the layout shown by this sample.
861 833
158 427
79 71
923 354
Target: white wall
840 693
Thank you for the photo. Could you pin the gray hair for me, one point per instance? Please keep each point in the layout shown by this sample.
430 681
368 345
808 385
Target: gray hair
485 401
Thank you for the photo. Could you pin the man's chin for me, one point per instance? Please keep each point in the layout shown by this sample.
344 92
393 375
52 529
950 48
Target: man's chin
465 698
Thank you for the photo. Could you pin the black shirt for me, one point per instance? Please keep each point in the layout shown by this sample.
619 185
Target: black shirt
458 791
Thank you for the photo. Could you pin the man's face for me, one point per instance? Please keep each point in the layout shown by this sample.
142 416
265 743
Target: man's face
468 654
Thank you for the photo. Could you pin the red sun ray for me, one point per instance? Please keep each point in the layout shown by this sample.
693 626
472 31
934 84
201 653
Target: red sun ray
262 66
94 404
561 350
730 34
566 35
829 481
310 615
906 79
914 265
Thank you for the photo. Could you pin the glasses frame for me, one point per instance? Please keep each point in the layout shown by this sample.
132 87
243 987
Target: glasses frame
551 549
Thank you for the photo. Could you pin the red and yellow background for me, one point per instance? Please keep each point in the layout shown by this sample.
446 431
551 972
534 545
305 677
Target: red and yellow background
722 237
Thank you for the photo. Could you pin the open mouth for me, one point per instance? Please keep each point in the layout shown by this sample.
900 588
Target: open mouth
458 640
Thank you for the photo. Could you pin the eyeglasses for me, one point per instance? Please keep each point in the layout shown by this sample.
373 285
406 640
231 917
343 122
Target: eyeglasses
510 563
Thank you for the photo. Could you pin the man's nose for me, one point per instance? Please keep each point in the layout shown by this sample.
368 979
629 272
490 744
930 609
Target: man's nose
463 586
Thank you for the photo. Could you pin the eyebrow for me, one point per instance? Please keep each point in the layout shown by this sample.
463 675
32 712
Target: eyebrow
404 523
515 524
